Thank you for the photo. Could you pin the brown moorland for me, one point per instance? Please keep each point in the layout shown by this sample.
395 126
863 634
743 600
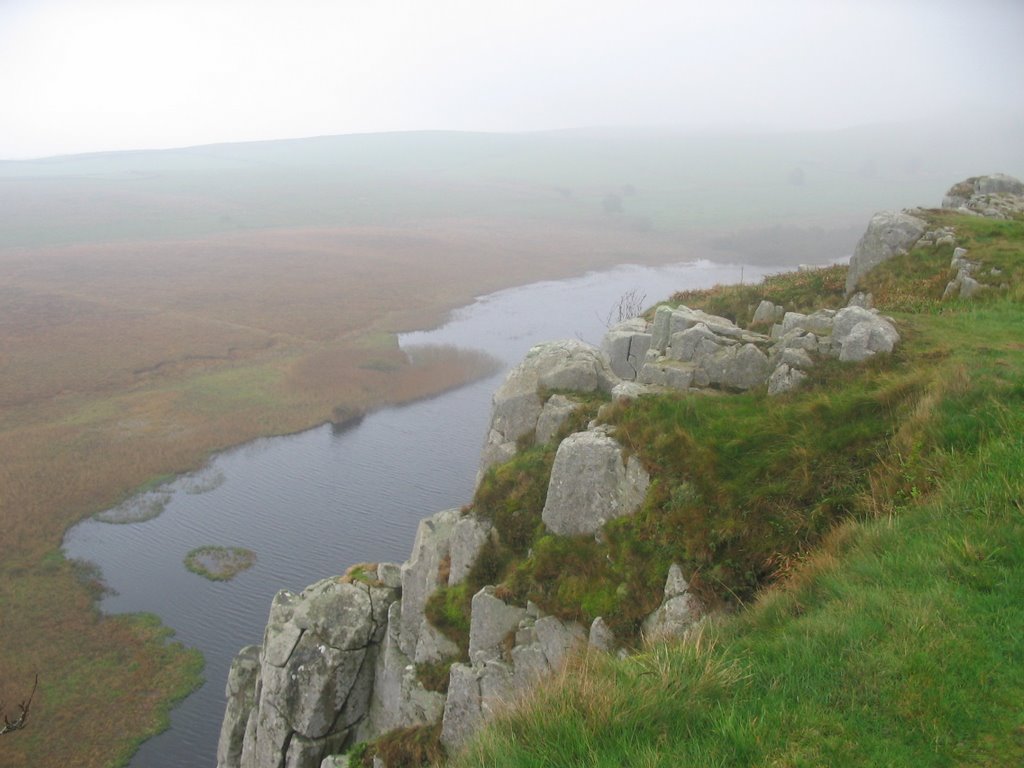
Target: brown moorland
126 362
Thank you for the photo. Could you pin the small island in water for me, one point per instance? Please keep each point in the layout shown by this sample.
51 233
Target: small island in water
218 563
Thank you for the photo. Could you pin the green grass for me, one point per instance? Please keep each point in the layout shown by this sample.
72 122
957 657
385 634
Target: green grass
803 291
899 645
871 528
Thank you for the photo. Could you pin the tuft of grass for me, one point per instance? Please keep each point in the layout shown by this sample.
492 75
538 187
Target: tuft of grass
802 291
406 748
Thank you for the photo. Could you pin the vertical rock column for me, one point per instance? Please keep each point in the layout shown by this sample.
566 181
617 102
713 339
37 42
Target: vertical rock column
310 685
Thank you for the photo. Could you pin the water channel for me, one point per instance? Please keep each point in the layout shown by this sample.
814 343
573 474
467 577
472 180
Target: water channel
311 504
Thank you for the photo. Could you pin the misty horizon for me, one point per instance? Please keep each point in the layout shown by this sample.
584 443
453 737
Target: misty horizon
108 75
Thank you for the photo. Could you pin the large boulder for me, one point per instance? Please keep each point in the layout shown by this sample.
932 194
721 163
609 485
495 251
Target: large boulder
860 333
553 417
592 482
491 620
997 196
517 405
310 685
889 234
625 344
737 367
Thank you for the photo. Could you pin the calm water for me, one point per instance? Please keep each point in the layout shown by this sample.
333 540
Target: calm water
312 504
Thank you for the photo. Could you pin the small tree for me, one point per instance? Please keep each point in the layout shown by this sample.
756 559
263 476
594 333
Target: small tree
631 304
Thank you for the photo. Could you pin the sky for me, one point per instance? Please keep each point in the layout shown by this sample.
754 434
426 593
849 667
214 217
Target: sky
96 75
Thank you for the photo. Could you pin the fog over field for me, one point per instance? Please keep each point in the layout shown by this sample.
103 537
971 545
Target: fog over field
114 74
215 217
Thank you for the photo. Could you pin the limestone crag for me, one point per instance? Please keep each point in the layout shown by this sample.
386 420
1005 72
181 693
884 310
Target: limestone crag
345 660
494 677
996 196
889 233
592 482
517 405
305 692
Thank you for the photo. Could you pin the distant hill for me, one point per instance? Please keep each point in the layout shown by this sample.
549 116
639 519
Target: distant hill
644 179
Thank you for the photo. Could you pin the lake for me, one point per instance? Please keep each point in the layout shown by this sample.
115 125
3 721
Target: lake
311 504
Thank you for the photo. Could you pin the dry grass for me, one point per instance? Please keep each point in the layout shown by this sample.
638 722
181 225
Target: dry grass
126 362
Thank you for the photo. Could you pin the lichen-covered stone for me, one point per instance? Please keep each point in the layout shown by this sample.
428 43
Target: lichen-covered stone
625 345
861 333
889 233
491 621
420 640
516 406
553 417
241 695
468 537
592 482
678 611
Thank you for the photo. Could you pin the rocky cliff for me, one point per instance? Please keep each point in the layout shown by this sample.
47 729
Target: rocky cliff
356 656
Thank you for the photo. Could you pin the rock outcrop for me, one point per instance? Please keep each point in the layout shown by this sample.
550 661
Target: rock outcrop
997 196
592 482
889 234
518 403
495 676
346 659
306 691
679 609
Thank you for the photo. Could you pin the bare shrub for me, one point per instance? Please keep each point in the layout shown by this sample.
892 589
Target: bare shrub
631 304
21 720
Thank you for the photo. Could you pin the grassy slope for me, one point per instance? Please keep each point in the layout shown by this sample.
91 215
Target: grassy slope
896 640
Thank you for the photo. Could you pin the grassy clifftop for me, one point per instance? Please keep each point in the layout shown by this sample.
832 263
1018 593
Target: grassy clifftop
870 525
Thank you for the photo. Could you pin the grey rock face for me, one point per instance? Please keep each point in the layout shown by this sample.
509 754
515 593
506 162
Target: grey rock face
462 712
765 314
999 183
591 483
553 416
625 345
861 333
672 375
468 537
310 685
861 299
241 696
785 379
570 365
888 234
491 621
601 637
630 390
398 699
419 639
477 691
679 609
744 367
695 343
996 196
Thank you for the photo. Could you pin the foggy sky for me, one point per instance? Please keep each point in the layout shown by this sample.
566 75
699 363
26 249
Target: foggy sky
87 75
